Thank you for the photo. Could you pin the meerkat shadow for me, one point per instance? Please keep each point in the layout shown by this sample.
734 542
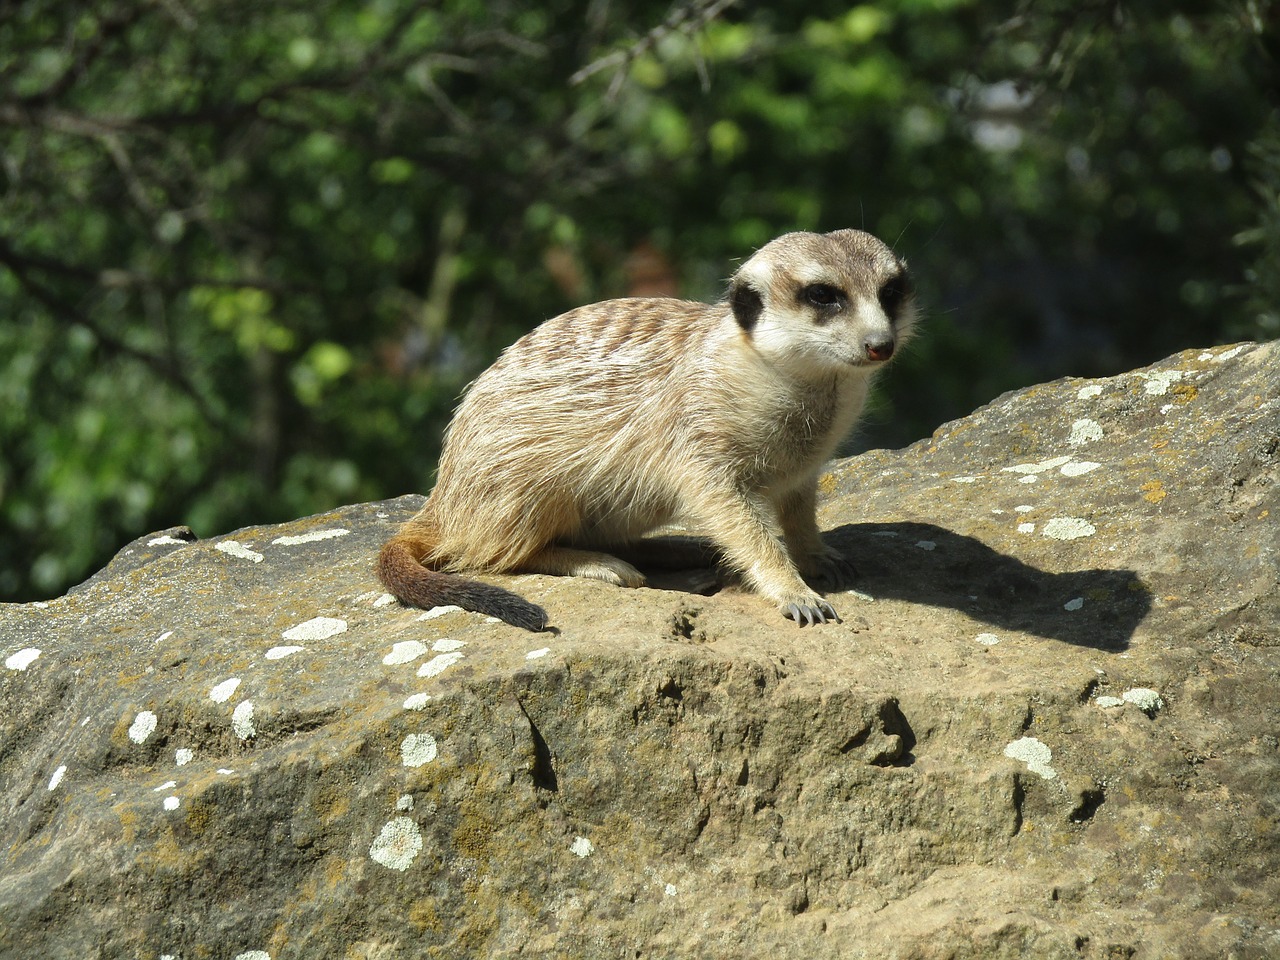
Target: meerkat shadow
926 564
687 563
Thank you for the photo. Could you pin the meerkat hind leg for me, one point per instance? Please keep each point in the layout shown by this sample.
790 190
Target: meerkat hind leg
573 562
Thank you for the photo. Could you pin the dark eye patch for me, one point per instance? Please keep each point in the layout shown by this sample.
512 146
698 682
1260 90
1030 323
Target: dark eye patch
823 296
893 292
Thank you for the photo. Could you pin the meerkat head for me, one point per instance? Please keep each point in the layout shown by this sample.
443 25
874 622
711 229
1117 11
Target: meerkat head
819 301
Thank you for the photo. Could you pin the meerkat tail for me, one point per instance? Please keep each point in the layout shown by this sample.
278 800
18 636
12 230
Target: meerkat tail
408 580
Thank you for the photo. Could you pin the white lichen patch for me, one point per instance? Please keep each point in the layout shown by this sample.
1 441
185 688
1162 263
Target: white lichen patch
253 955
417 749
172 803
1078 468
406 651
57 777
1034 754
1039 467
1074 604
964 479
183 755
1089 392
22 659
234 548
223 691
1157 384
279 653
670 890
438 664
439 612
447 645
242 720
398 843
317 628
537 654
309 537
1225 355
1022 508
1109 702
416 701
144 724
926 545
1083 431
404 803
1026 528
1068 528
167 785
166 541
582 847
987 639
1145 699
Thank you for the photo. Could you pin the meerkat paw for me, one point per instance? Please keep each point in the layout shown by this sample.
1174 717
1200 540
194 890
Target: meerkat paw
611 570
809 610
830 569
593 564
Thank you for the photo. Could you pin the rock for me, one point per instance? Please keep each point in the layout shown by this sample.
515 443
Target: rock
239 747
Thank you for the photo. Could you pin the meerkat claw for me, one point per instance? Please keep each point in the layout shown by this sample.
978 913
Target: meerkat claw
808 613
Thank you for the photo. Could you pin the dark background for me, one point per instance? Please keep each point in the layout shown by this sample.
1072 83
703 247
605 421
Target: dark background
251 253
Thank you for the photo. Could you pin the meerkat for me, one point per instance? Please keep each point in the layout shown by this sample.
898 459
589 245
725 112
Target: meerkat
618 418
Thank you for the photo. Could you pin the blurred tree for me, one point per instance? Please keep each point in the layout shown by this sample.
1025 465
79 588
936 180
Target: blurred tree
250 253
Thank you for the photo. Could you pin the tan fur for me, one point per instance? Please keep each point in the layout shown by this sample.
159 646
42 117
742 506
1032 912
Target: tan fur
616 418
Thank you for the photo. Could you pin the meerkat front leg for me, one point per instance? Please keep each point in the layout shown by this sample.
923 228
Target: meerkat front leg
740 525
818 563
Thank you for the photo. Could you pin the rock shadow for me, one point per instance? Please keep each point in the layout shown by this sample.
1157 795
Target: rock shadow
926 564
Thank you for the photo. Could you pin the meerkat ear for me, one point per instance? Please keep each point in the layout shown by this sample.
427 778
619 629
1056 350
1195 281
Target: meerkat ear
746 302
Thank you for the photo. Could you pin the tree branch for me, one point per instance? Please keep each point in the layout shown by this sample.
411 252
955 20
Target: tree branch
22 267
688 18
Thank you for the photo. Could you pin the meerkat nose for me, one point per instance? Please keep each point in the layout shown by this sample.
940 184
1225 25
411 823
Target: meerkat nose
879 349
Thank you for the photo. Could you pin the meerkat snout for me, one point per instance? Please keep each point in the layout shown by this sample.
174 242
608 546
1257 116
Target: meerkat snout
618 418
879 349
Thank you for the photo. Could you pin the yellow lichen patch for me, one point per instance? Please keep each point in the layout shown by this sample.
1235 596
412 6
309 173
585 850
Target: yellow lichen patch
827 483
1153 491
331 802
334 870
1183 393
128 825
474 838
423 917
165 852
198 816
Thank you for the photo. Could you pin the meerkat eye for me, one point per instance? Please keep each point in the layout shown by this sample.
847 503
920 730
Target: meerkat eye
893 292
822 295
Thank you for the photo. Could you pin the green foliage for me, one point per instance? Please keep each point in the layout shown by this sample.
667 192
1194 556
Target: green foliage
251 253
